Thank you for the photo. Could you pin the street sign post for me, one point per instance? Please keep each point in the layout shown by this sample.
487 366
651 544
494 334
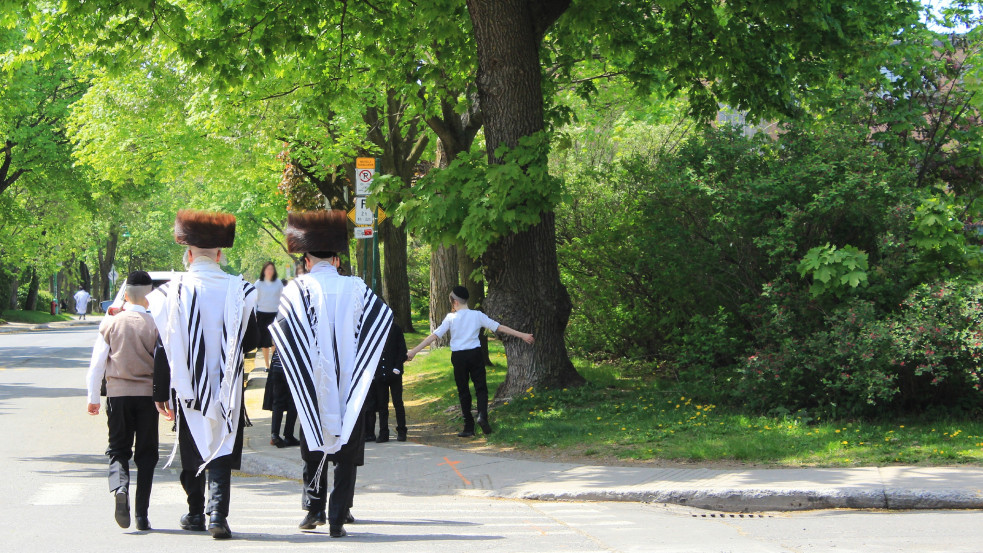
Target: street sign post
363 181
366 219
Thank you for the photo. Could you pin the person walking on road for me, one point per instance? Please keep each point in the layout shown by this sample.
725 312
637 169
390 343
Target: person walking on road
124 356
82 298
329 334
388 380
206 325
464 325
268 289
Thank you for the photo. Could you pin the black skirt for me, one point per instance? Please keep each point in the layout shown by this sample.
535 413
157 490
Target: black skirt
263 321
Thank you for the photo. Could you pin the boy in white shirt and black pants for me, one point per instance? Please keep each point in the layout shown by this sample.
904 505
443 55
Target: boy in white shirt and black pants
464 325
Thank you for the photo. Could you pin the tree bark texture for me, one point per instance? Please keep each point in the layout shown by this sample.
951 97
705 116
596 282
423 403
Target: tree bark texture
85 276
31 303
524 288
402 142
443 277
106 263
395 282
14 285
466 267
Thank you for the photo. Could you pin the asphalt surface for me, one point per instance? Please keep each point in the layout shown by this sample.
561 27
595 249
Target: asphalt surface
415 468
415 498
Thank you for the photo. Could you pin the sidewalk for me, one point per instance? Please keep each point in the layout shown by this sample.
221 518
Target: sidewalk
413 468
9 328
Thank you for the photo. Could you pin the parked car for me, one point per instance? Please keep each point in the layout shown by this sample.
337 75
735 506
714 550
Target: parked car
159 277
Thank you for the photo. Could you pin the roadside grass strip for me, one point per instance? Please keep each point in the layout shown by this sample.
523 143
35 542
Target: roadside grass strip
634 418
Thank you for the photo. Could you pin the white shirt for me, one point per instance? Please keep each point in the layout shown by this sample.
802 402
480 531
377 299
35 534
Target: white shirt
81 301
464 325
100 354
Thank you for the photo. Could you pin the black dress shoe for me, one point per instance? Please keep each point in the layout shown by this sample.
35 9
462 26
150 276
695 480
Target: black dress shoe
466 433
122 508
349 518
337 531
370 437
312 520
382 438
218 527
400 436
143 523
193 522
485 427
290 441
277 441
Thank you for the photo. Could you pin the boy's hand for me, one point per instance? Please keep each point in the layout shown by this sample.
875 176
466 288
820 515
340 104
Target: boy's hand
93 409
163 409
527 338
410 355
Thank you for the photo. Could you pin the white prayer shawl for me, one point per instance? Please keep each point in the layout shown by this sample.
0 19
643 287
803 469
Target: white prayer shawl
329 333
81 301
201 310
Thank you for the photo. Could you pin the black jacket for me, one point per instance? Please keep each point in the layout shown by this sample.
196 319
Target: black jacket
393 354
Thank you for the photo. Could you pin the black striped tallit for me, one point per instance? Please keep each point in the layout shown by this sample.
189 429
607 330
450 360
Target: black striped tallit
297 341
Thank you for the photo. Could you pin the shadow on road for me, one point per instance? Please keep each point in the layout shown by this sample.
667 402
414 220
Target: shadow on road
18 390
49 357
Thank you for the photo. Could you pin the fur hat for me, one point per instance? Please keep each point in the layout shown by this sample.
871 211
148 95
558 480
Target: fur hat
205 229
317 231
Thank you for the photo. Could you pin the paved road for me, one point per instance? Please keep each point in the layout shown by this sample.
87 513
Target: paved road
55 497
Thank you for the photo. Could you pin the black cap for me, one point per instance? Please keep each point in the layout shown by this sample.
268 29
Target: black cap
139 278
460 292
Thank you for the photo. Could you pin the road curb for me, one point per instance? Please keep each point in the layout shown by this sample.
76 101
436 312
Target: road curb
751 500
734 500
13 328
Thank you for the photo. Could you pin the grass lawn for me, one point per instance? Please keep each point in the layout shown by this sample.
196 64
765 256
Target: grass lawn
631 418
33 317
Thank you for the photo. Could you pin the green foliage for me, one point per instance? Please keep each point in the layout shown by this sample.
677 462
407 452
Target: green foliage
939 234
475 202
834 270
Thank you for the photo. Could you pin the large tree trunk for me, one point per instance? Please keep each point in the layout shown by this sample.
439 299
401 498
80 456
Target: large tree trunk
476 293
524 288
106 263
402 142
14 285
31 303
395 282
443 277
85 276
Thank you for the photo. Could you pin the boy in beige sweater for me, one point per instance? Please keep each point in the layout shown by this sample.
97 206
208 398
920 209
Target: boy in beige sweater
124 355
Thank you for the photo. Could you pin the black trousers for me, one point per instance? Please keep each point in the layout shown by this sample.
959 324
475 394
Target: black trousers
316 497
378 401
470 364
217 476
282 402
132 424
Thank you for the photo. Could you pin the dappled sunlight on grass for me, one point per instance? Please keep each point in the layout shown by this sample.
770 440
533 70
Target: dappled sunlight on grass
634 418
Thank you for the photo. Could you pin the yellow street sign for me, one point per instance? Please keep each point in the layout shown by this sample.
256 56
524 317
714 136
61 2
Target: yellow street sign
365 163
361 215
